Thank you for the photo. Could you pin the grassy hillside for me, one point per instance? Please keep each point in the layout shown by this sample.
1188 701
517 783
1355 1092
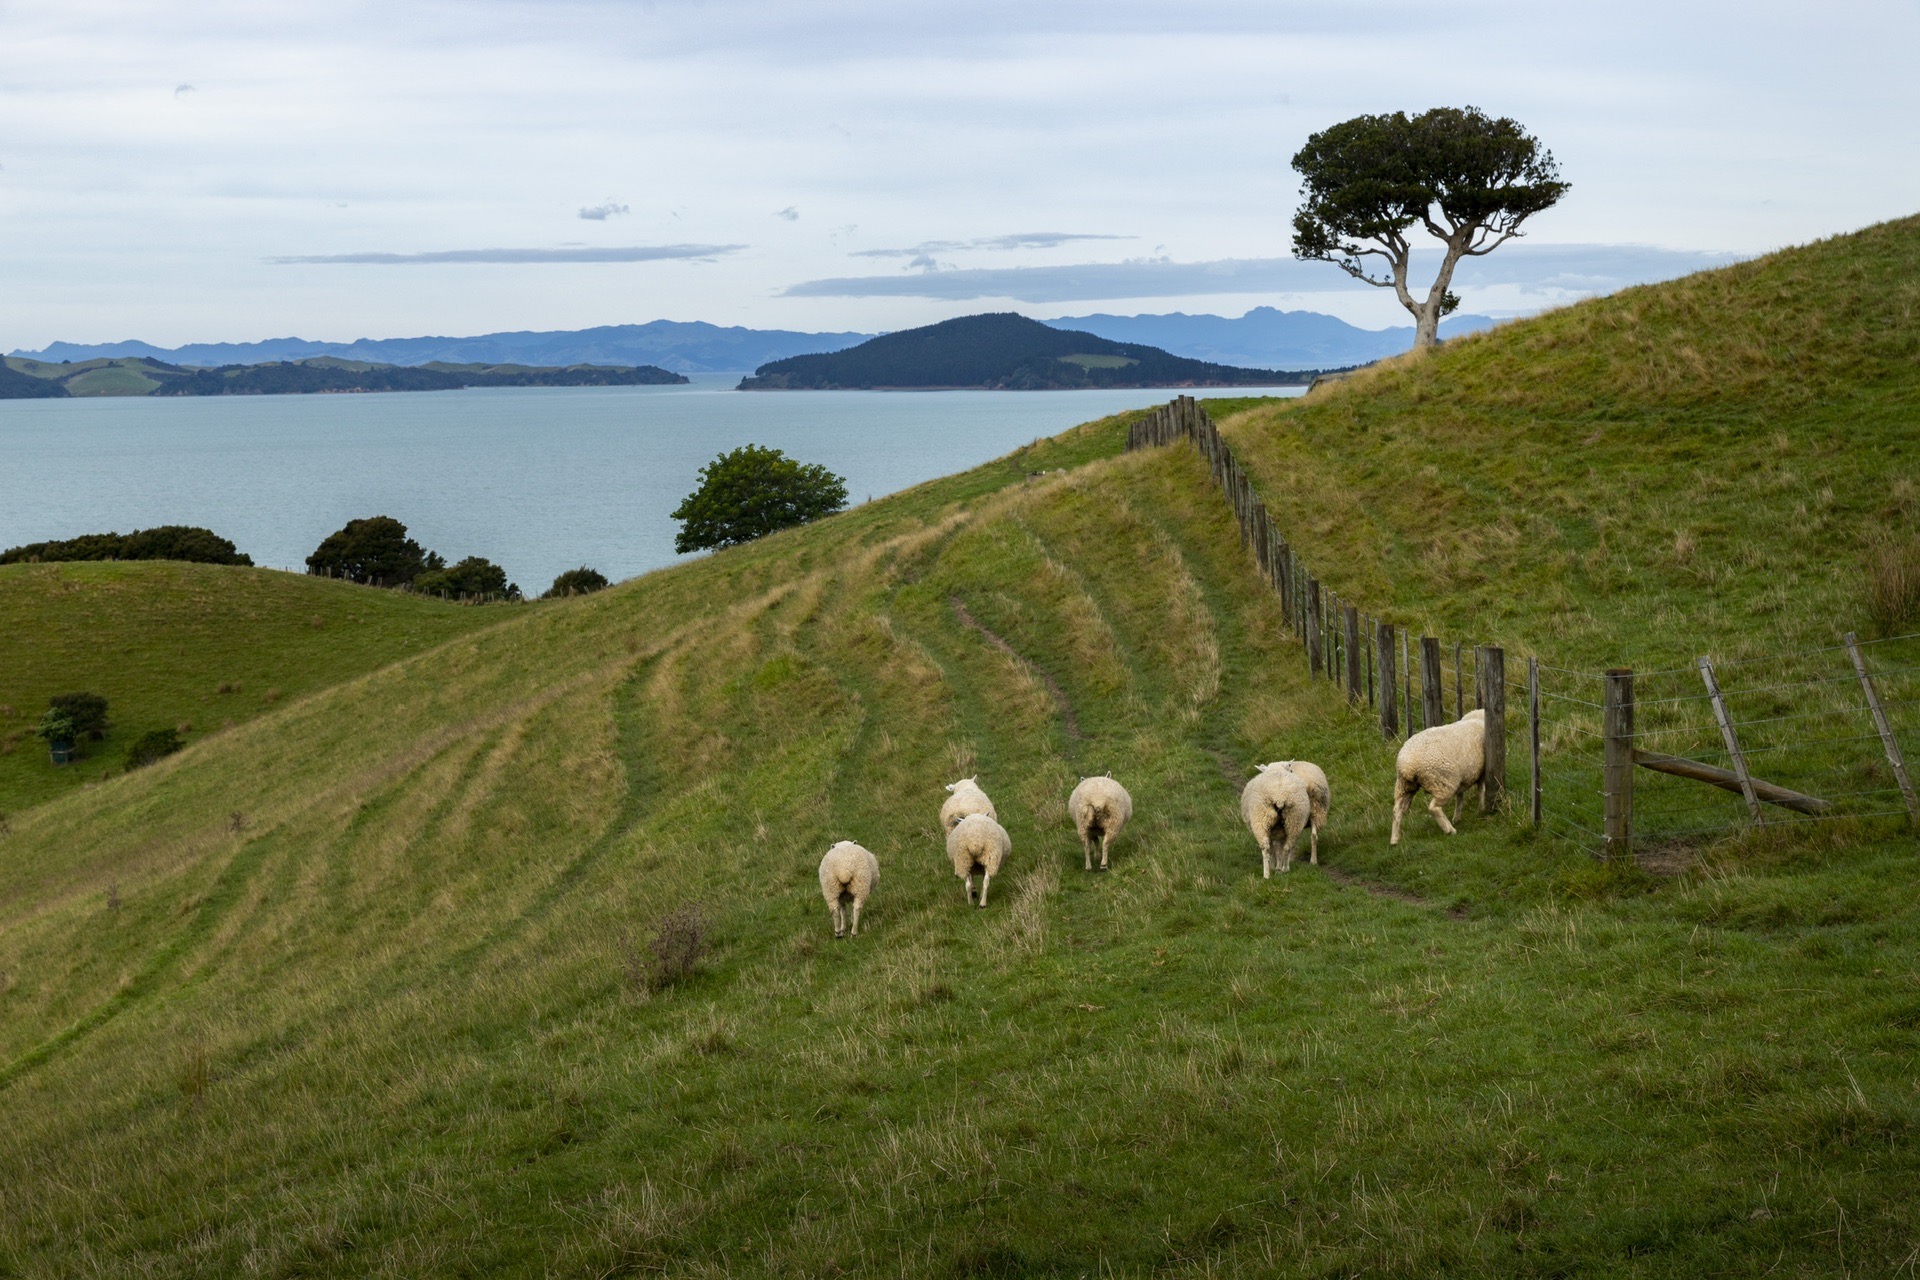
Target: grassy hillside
189 646
389 1021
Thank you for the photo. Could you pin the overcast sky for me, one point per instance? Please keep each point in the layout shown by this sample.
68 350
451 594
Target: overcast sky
196 170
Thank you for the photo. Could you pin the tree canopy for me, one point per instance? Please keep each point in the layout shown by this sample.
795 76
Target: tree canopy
751 491
577 582
375 551
473 576
164 542
1469 180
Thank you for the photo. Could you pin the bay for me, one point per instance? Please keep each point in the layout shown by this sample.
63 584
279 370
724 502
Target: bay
536 479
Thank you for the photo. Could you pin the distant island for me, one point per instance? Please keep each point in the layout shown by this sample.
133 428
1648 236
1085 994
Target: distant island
1002 351
22 378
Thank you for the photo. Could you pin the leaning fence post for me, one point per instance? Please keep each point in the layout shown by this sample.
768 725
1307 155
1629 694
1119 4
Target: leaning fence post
1533 732
1490 665
1433 707
1890 743
1732 739
1389 684
1616 771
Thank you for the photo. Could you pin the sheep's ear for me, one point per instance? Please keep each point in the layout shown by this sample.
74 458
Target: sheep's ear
952 785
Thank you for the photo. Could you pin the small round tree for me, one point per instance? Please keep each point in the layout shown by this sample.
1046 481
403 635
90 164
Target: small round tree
750 492
577 582
375 551
1467 179
473 576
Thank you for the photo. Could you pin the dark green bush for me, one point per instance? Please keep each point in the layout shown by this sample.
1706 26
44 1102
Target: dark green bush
88 711
375 551
167 542
577 582
151 746
473 576
751 492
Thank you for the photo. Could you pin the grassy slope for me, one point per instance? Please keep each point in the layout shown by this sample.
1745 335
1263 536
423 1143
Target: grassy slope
158 640
384 1027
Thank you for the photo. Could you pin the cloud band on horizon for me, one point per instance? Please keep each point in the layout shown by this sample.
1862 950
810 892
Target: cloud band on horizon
631 253
1586 268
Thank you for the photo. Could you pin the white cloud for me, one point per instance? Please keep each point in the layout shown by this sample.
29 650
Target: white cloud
635 253
789 213
601 212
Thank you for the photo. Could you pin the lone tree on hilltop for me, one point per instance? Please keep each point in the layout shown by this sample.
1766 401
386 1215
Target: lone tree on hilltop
1468 179
750 492
577 582
375 551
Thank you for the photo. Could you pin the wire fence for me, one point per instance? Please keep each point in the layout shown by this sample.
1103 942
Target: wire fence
1605 759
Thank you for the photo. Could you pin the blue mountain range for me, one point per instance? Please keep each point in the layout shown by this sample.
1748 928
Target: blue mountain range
1263 338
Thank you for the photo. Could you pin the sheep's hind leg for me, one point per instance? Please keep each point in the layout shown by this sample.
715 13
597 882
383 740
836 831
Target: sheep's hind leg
1103 851
1086 847
1438 808
1313 845
856 918
986 878
1402 801
839 925
969 888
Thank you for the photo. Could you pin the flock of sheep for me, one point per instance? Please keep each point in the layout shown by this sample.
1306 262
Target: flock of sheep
1284 799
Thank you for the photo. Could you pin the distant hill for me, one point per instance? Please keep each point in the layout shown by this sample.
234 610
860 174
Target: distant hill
138 376
1001 352
1264 337
683 347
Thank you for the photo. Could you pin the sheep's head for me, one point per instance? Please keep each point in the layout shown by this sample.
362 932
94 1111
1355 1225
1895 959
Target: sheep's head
964 782
1478 713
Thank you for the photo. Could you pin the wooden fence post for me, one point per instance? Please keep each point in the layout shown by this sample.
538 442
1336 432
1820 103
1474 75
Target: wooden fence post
1315 644
1459 690
1353 655
1406 680
1888 742
1389 686
1533 733
1433 707
1616 773
1732 739
1490 667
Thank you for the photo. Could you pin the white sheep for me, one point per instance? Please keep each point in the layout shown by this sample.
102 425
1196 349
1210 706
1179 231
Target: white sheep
1318 794
1099 808
978 843
1275 800
967 798
1444 761
847 874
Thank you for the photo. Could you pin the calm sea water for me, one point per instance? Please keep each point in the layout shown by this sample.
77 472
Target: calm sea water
537 479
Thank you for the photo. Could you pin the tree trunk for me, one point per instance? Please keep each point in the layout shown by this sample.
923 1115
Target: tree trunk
1426 315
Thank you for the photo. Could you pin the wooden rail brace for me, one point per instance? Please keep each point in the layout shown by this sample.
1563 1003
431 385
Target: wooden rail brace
1727 780
1616 770
1732 740
1888 741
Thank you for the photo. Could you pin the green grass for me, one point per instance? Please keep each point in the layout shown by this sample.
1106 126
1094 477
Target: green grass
383 1024
172 644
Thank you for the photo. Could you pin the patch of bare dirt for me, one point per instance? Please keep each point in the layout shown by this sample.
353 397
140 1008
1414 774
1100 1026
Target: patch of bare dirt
1380 889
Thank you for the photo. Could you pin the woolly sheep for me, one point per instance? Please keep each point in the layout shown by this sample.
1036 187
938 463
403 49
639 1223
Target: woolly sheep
1275 801
1444 761
847 874
1099 808
1318 794
978 843
967 798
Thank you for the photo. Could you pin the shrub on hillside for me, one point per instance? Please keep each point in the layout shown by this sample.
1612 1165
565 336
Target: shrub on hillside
375 551
151 746
165 542
678 944
577 582
1893 585
749 493
473 576
88 711
56 726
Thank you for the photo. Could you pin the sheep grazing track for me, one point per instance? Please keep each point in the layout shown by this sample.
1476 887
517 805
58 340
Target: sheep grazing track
1053 688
